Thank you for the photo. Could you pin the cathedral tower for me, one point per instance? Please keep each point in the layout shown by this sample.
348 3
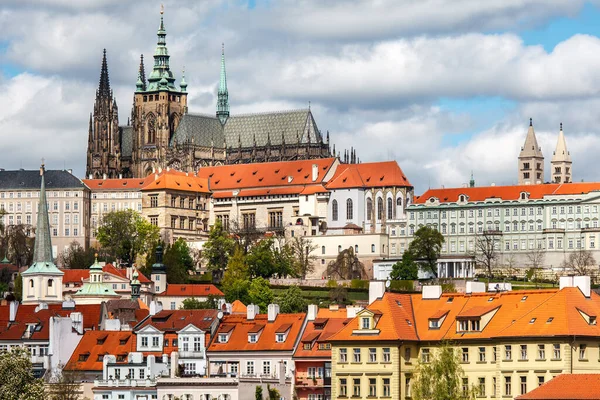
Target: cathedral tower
531 160
561 160
157 109
103 154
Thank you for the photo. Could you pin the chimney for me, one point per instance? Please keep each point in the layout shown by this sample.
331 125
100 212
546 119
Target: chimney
120 176
155 307
90 176
315 172
272 311
431 292
251 311
104 176
77 321
475 287
14 306
313 310
376 290
584 284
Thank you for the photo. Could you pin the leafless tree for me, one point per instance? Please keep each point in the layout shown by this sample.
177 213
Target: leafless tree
535 257
302 249
64 385
17 242
580 262
346 266
486 251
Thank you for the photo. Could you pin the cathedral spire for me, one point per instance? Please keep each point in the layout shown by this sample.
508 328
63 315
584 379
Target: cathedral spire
561 160
531 159
141 83
42 250
161 76
104 86
223 94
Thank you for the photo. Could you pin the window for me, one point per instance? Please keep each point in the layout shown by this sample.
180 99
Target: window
386 354
154 220
541 352
334 210
250 368
407 385
372 387
465 355
155 342
144 341
343 355
372 355
266 368
356 357
582 349
252 338
280 338
465 386
508 352
154 201
541 380
356 387
523 352
379 209
556 351
349 209
370 208
276 219
494 386
343 387
390 208
482 354
523 384
407 354
425 356
386 387
481 387
249 220
366 323
507 386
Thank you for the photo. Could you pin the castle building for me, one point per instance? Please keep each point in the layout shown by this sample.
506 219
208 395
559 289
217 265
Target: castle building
531 160
161 132
561 160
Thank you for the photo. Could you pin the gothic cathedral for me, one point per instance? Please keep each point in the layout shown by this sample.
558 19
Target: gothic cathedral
161 133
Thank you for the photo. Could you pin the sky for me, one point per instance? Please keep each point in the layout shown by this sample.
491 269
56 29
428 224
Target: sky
444 87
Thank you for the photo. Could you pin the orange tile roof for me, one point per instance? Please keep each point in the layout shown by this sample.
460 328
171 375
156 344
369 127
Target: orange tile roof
567 387
326 324
200 290
266 175
116 184
237 307
99 343
238 337
368 175
395 323
77 276
536 192
176 180
175 320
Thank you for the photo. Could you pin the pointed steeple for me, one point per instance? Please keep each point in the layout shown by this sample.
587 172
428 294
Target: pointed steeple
472 181
141 81
183 83
223 94
104 86
561 160
42 249
531 159
161 76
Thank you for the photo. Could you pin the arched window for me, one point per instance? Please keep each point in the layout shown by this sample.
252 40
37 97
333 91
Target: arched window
390 208
379 209
334 210
398 207
369 209
339 248
50 282
355 249
31 292
349 210
50 287
407 201
322 249
151 129
372 248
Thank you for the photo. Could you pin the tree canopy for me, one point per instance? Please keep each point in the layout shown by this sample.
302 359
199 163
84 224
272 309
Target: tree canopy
266 260
76 257
125 234
292 301
346 266
405 269
218 249
426 247
192 303
16 376
260 293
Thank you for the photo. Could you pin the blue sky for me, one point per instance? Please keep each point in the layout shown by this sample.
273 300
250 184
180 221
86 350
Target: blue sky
441 93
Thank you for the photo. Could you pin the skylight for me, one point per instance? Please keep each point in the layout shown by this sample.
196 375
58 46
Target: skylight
450 299
524 298
550 320
532 320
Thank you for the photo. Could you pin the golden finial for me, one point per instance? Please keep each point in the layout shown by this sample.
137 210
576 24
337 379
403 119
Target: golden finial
162 9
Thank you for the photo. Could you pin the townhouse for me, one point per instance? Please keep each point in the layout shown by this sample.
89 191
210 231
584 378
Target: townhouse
257 349
509 342
174 295
312 358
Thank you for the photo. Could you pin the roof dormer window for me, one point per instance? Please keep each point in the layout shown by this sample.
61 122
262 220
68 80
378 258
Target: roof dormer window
469 325
365 323
280 337
252 338
223 338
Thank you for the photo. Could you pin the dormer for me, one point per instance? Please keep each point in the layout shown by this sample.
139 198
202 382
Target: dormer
225 333
309 340
433 201
437 319
475 319
524 196
282 332
254 333
367 322
320 323
462 199
588 316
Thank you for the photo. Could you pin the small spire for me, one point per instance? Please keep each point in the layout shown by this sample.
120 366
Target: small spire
561 126
223 93
183 84
104 86
530 121
472 181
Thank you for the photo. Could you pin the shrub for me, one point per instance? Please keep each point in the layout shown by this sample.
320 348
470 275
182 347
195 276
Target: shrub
402 286
359 284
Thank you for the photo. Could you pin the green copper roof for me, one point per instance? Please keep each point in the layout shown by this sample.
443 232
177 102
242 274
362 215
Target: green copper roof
161 77
5 260
42 249
223 94
95 286
183 83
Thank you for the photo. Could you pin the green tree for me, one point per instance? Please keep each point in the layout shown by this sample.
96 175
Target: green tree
273 393
405 269
76 257
261 259
236 281
16 376
18 290
441 378
426 247
125 234
258 393
178 261
260 293
291 300
192 303
217 250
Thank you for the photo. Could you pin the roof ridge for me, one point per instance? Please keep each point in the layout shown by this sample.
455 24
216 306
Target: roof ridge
297 110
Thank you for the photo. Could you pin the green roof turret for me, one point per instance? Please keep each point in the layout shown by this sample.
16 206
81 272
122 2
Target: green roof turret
161 67
183 84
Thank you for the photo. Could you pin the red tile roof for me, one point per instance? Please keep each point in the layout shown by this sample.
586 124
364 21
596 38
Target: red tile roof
77 276
450 195
368 175
266 175
567 387
176 180
194 290
319 331
99 343
175 320
238 337
116 184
